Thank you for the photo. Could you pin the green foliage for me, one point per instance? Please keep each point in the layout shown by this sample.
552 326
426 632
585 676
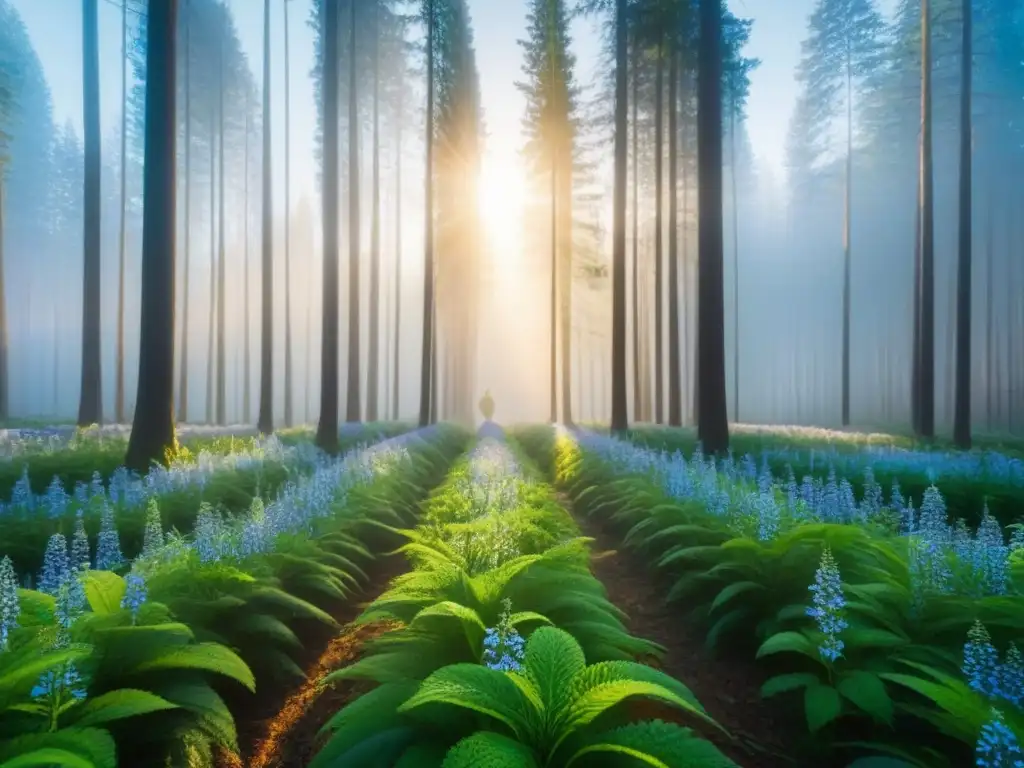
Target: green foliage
438 698
899 670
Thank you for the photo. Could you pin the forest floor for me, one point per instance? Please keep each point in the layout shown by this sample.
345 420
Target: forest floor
281 729
729 691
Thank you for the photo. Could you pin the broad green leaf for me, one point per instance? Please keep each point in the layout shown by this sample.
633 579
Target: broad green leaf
104 591
552 659
733 590
48 757
209 657
867 691
92 745
476 688
821 706
489 749
654 743
118 705
793 642
788 682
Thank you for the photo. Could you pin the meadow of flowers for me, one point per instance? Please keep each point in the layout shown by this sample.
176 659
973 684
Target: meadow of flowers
145 660
894 627
157 619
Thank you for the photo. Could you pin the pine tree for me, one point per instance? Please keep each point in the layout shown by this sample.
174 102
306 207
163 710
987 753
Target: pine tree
843 48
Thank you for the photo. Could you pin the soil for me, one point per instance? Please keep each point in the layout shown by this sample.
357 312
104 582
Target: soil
281 729
728 690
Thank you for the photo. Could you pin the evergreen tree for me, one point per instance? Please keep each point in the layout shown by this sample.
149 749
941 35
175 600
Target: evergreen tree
550 124
843 48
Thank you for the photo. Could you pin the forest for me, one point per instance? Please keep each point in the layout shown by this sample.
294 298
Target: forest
531 384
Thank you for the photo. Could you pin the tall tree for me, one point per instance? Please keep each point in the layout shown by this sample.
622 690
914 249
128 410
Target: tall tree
962 410
712 417
373 350
185 314
352 408
675 392
926 353
426 362
327 427
619 416
153 426
265 423
843 48
119 354
221 276
246 315
287 234
399 116
90 406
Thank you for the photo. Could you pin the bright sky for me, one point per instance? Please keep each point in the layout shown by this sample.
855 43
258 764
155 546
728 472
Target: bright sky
779 25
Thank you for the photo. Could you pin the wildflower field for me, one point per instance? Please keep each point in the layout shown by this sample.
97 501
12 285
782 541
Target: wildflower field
541 597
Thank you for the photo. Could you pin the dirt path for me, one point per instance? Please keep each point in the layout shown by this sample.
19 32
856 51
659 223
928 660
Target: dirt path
280 730
729 691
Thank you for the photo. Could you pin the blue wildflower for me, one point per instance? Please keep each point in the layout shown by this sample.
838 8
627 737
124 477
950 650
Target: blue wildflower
108 543
503 645
56 498
58 683
9 605
56 565
153 533
896 502
21 494
828 606
981 661
134 594
1011 677
71 601
80 555
998 746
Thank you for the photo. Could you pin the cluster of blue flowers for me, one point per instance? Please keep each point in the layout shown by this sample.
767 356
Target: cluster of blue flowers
131 490
10 607
986 674
944 559
998 746
301 502
828 607
503 645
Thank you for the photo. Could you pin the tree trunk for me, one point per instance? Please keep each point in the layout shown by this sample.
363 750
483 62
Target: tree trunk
428 239
352 409
735 264
675 397
915 372
659 282
847 212
553 296
327 429
962 408
222 227
185 314
712 416
635 80
927 396
153 426
265 422
247 316
212 314
119 354
990 235
90 407
395 388
288 381
373 363
4 336
619 416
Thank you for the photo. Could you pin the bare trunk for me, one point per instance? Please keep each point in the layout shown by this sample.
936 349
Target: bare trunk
288 372
119 354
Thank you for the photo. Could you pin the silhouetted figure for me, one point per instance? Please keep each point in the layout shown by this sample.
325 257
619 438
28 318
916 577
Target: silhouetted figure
487 406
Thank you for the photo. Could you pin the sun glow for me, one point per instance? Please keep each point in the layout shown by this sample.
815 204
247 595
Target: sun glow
501 197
